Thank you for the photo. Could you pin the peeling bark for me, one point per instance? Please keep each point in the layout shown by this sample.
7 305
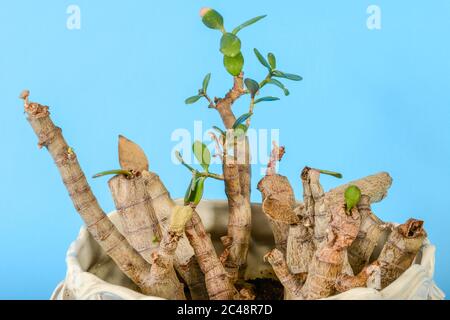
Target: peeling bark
371 230
291 283
321 213
164 279
237 176
374 186
328 260
300 248
214 279
368 276
218 284
140 225
185 261
401 248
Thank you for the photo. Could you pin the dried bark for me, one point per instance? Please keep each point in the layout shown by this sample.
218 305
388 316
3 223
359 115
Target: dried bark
300 248
213 277
280 231
140 225
374 186
368 277
328 260
371 230
316 194
239 219
164 278
218 285
399 251
292 283
98 224
237 176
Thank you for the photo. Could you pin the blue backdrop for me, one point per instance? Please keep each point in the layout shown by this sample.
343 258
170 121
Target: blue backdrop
371 100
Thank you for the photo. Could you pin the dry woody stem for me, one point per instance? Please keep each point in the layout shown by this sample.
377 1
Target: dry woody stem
369 234
98 224
325 245
400 250
212 278
237 176
185 260
140 225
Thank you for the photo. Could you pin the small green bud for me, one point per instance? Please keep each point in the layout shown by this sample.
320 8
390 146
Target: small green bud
352 195
211 18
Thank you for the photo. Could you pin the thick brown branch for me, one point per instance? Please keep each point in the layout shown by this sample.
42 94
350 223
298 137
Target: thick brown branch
185 261
370 232
237 176
213 274
140 225
101 228
399 251
291 283
329 259
164 279
218 284
224 105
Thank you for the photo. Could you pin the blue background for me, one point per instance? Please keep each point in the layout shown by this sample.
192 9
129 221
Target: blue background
371 100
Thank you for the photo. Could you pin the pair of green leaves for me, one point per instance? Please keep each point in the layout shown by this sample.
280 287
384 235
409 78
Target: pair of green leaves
230 46
201 92
194 192
253 88
214 20
271 64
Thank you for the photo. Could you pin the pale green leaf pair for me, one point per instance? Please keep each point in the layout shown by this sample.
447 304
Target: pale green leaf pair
202 91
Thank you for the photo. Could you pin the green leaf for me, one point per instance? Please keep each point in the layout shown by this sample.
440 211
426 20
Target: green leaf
280 85
247 23
288 76
252 86
241 119
192 99
212 19
352 195
230 45
219 130
206 82
263 99
194 192
202 154
261 59
331 173
234 64
272 60
110 172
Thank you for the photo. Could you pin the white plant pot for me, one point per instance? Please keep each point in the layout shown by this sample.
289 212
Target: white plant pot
91 274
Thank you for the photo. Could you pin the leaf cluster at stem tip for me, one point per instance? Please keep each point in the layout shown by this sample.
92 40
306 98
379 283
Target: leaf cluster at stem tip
230 44
271 64
201 92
